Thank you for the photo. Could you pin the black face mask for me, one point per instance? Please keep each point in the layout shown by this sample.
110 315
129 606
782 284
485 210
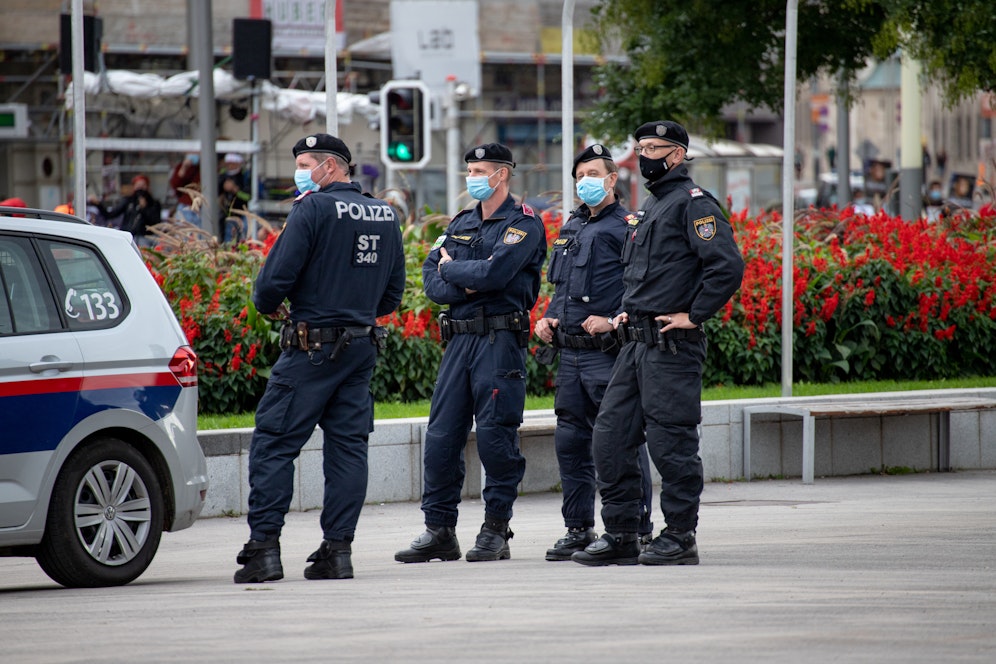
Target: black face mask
654 169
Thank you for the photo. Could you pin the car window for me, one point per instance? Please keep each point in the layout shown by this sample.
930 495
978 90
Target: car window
28 305
88 295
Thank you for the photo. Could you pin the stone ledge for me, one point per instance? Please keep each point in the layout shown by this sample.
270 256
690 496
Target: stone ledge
395 450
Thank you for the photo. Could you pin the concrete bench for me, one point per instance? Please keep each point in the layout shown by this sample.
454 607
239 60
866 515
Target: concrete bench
893 406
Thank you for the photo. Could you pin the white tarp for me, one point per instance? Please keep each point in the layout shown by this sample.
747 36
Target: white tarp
298 106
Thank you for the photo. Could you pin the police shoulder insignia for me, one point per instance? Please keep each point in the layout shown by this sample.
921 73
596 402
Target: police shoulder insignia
695 192
514 236
560 241
528 210
439 242
302 195
632 219
705 227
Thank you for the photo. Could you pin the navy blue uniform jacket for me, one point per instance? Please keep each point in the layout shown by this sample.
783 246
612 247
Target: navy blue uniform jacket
680 254
339 260
499 258
586 268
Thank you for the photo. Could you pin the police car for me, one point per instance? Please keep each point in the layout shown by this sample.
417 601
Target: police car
98 403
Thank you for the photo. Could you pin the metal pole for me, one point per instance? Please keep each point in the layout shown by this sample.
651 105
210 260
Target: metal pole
79 113
331 70
254 160
452 148
567 105
788 189
910 151
843 165
206 122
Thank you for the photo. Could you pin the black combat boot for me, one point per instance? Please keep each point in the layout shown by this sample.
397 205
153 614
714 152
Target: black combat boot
331 561
610 549
492 542
576 539
436 542
260 560
672 547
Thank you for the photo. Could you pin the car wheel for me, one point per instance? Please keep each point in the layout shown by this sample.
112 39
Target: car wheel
105 518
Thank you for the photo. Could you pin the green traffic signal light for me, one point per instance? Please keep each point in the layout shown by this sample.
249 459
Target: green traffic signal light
400 151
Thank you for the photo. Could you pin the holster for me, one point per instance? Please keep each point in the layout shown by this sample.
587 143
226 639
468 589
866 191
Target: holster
445 329
379 334
302 336
287 336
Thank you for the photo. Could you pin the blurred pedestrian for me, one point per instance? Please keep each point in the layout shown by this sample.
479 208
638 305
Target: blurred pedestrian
186 174
860 204
232 199
139 210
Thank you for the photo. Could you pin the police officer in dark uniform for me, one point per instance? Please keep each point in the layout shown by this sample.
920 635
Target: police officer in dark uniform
681 266
586 269
487 269
340 263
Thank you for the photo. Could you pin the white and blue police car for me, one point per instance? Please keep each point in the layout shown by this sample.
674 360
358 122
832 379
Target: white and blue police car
98 403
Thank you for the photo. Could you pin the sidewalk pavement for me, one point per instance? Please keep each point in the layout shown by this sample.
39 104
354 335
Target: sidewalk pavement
856 569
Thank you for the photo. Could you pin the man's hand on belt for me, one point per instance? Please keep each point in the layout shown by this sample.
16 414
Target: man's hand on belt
596 324
676 321
545 328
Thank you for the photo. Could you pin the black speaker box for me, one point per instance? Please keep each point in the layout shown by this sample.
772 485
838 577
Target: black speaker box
92 29
251 45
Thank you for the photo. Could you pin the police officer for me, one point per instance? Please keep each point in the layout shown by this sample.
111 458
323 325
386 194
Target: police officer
340 263
486 268
681 266
586 269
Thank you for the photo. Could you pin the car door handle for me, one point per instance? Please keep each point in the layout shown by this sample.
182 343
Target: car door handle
50 363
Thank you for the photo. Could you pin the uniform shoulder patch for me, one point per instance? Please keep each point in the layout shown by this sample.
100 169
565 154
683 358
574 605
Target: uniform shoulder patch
632 219
302 195
695 192
705 227
514 236
528 210
439 242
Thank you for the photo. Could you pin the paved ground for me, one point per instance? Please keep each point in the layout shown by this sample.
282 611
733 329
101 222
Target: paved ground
865 569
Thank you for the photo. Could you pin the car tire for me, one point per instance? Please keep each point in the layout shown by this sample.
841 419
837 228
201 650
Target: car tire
105 518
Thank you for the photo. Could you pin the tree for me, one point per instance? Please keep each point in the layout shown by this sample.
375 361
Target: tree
687 60
954 40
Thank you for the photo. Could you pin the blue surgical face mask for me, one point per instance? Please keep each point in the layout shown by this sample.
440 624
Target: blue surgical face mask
591 190
194 159
479 187
935 195
303 181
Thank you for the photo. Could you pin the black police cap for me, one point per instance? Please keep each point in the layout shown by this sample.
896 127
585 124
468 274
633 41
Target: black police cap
323 143
667 130
495 152
592 152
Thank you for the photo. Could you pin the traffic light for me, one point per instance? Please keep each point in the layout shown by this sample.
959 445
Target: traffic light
405 131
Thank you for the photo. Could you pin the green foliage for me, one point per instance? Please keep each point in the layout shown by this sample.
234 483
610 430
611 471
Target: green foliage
688 60
955 41
209 288
875 298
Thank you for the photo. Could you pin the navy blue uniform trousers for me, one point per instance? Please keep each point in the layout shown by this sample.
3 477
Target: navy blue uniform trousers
305 390
581 380
663 390
481 378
